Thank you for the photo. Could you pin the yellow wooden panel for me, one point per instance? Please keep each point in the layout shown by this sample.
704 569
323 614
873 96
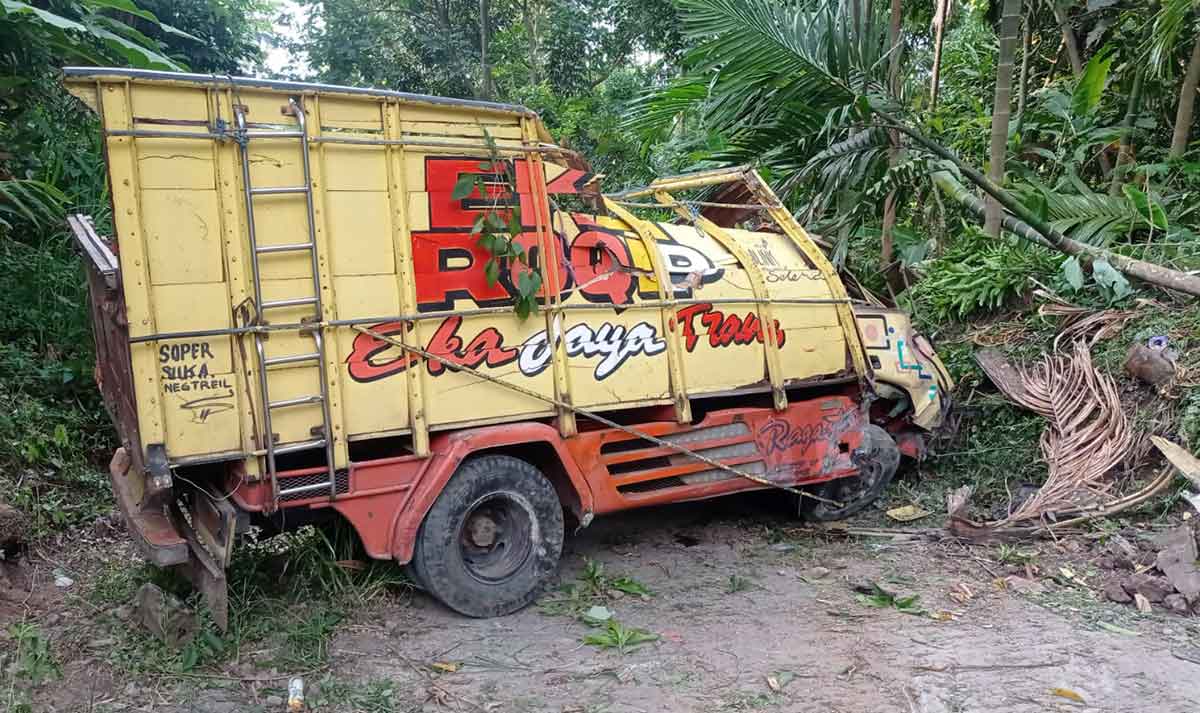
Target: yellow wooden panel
362 233
266 108
813 351
355 168
455 397
183 235
286 342
280 220
294 423
459 115
175 163
193 307
614 358
274 163
414 171
200 421
366 296
372 404
352 112
418 211
471 130
169 102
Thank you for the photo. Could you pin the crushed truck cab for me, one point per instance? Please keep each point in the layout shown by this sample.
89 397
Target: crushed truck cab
297 319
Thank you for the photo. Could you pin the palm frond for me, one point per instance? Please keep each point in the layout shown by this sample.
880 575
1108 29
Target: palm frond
37 202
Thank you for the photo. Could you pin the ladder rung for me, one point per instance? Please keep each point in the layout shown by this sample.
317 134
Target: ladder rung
301 446
305 488
292 359
300 401
274 134
290 302
285 247
278 190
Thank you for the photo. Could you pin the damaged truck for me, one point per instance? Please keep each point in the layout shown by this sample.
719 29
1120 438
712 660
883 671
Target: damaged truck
306 312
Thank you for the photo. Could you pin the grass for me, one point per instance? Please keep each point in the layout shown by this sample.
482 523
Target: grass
592 587
286 599
26 663
615 635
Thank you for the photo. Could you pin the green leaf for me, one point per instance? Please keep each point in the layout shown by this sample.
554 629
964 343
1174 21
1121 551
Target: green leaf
1073 273
12 7
123 6
1090 86
1110 279
491 271
135 54
464 186
1147 207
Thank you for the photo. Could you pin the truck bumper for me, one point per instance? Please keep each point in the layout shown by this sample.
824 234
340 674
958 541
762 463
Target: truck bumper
149 526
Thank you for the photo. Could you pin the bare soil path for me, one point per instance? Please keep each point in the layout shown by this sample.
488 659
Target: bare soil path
750 613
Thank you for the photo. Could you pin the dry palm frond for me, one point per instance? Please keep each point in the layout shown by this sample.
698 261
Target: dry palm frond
1079 322
1087 432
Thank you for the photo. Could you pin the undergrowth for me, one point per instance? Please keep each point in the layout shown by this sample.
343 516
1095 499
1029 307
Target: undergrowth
286 597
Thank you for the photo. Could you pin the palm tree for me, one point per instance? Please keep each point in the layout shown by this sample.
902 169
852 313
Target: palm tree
796 89
1010 21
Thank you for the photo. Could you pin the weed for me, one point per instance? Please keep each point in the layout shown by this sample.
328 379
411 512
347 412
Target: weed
374 696
590 588
28 664
876 596
738 583
1011 554
616 635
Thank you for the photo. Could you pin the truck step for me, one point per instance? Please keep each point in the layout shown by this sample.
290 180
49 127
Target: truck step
301 446
290 302
274 134
278 190
285 247
299 401
292 359
304 488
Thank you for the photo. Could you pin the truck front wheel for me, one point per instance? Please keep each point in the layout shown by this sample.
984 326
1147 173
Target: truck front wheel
839 499
492 538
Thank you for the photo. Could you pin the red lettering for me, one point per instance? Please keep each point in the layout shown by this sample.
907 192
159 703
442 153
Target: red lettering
361 362
722 329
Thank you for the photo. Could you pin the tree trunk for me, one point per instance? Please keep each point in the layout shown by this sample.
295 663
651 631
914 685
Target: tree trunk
1125 148
1187 104
485 78
1023 82
1035 228
532 27
1069 38
940 16
887 251
1010 19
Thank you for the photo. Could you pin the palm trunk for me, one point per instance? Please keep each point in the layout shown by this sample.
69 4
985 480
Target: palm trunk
1187 104
887 251
1010 19
1125 148
940 16
1069 38
485 69
530 16
1023 82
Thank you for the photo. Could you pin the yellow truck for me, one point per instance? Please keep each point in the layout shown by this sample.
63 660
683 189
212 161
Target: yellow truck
303 314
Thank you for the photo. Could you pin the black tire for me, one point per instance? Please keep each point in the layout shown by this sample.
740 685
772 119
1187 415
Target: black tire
492 538
878 462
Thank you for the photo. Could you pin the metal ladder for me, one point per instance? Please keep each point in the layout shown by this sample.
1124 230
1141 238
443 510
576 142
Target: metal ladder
322 434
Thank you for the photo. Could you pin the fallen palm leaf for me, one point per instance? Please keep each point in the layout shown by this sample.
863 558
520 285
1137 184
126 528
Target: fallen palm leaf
1068 694
1087 432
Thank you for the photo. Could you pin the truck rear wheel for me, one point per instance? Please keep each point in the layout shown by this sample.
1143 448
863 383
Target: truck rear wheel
877 465
492 538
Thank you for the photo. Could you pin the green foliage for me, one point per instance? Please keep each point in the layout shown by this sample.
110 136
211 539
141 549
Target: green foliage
26 663
616 635
979 274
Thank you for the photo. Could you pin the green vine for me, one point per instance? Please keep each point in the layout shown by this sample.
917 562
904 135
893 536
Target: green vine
498 227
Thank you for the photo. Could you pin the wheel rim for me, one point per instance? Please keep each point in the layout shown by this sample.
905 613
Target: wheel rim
851 490
496 537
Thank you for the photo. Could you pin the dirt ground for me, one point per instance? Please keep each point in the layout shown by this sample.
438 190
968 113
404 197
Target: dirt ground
750 610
